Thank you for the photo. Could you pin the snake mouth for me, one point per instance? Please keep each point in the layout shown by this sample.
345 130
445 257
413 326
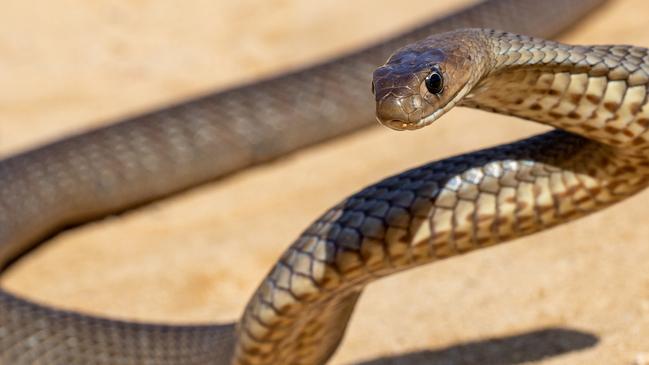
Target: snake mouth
392 121
403 125
399 125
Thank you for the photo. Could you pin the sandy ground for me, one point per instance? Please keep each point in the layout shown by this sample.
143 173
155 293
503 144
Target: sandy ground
577 294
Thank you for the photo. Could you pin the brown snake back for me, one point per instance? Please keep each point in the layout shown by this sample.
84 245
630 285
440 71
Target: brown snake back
113 168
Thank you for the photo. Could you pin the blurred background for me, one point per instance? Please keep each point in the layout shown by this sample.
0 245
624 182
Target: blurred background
577 294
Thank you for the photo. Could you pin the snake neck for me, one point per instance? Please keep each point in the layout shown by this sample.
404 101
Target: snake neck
599 92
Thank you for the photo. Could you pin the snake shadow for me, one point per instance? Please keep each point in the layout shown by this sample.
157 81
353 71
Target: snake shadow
509 350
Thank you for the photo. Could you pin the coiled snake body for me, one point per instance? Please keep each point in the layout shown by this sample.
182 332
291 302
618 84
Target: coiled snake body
300 311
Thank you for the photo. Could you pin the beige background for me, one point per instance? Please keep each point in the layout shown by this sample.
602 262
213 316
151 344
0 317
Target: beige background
71 64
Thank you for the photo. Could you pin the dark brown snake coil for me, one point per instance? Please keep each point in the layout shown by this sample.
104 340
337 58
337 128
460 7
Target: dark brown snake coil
300 311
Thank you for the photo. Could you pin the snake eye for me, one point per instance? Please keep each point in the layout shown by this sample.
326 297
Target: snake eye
434 82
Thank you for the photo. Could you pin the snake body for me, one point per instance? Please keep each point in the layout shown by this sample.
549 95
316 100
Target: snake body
597 95
300 311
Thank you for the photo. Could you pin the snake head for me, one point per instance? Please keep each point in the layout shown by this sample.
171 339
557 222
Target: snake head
421 81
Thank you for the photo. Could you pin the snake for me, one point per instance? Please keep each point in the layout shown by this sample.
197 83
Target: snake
596 95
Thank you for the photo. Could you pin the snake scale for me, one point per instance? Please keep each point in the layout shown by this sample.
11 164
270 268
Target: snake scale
299 312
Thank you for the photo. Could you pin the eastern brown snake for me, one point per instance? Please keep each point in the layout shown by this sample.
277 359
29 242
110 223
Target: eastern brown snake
300 311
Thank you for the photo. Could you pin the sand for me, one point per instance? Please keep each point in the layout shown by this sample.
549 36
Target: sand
577 294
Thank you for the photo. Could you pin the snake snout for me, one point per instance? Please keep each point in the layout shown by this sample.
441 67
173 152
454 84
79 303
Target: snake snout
389 112
399 113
